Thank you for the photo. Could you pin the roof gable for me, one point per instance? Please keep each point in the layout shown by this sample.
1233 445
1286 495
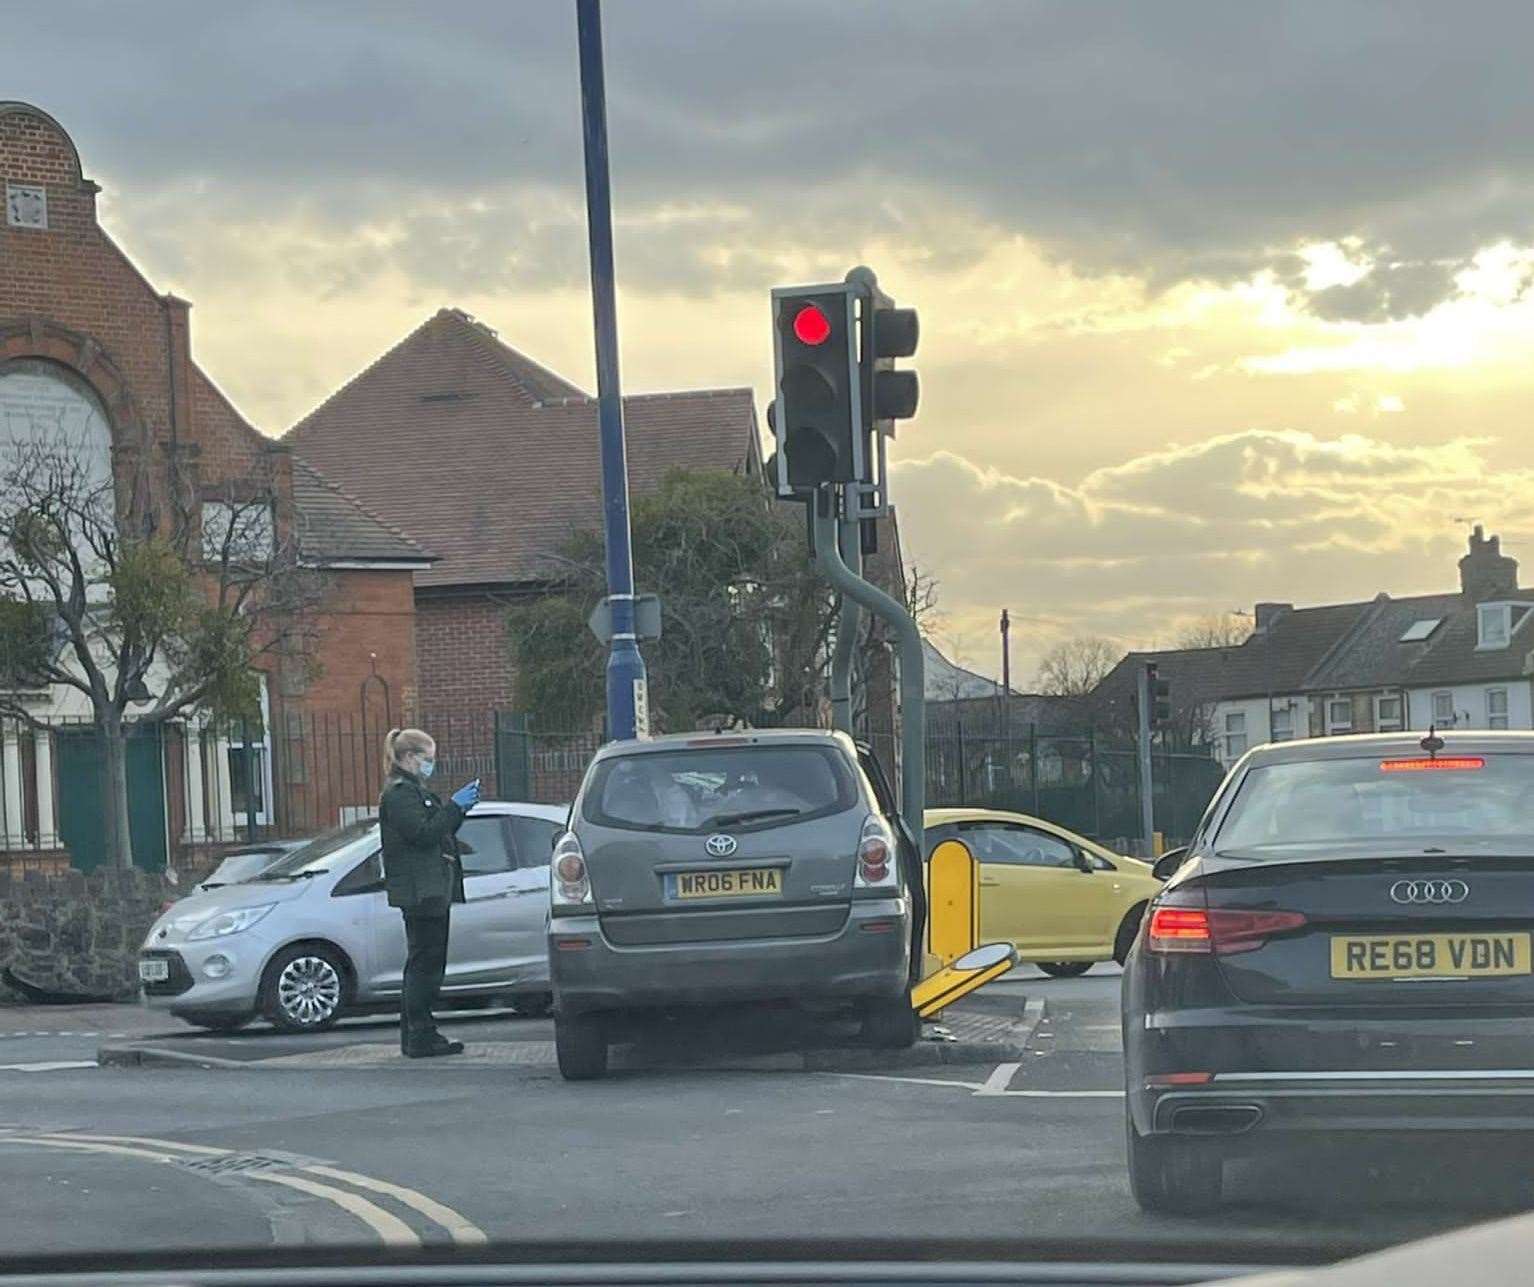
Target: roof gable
489 460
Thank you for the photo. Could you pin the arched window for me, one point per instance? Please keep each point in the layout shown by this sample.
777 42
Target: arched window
56 455
44 404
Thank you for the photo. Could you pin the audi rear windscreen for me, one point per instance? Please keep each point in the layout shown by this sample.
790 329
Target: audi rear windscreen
1419 803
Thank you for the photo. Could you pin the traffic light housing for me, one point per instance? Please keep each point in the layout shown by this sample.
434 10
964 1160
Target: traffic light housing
887 333
1160 697
817 409
836 385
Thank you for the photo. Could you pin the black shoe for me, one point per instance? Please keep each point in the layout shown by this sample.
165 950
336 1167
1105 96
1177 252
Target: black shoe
440 1046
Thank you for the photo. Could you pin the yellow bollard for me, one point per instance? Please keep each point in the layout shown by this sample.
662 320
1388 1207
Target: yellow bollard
969 972
953 901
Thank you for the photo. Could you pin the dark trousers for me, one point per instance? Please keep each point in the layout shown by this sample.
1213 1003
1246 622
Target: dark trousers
425 964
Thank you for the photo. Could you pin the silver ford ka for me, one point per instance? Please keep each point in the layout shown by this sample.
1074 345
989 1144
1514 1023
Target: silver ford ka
312 935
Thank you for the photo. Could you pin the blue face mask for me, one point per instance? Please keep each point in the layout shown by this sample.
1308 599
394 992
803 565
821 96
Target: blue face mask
428 767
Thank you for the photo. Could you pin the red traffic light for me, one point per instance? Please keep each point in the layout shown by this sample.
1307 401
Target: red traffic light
811 325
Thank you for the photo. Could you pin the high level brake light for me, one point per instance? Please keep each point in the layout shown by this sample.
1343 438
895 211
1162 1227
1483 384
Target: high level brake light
1447 763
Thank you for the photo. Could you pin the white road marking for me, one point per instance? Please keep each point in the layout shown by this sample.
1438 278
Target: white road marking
1000 1078
1066 1094
914 1081
976 1088
57 1065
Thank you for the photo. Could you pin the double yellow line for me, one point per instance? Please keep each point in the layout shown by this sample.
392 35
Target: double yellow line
389 1228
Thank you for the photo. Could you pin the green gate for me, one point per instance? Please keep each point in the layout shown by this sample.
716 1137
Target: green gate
82 804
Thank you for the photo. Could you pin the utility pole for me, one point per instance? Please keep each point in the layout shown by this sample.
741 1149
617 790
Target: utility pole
1006 692
1006 658
1146 677
627 684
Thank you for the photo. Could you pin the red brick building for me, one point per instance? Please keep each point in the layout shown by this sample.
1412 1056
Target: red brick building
490 461
84 335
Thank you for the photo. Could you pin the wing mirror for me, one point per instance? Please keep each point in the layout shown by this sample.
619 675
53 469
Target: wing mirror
1165 867
1083 862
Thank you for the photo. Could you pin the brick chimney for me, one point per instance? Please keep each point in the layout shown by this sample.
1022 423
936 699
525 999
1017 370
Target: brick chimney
1265 614
1485 572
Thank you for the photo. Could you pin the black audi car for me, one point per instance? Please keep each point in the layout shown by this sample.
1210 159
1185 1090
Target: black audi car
1345 947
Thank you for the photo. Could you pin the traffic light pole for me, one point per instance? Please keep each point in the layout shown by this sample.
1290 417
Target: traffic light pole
913 683
627 691
847 621
1147 794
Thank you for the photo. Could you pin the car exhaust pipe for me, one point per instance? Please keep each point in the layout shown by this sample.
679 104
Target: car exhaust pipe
1215 1119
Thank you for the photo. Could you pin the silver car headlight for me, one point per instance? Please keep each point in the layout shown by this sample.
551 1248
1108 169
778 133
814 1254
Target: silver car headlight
242 918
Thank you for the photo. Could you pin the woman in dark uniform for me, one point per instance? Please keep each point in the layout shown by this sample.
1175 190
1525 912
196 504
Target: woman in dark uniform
424 878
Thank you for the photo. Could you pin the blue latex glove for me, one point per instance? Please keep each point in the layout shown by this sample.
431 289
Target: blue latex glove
466 797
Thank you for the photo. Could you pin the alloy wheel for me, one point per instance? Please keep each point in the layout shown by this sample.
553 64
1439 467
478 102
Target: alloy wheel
309 990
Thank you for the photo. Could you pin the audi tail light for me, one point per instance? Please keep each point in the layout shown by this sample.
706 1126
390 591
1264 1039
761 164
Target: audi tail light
1218 931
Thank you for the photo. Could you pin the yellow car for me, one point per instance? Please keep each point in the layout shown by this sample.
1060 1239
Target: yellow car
1062 901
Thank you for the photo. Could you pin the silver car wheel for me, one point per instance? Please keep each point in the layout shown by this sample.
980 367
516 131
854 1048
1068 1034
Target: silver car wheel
309 990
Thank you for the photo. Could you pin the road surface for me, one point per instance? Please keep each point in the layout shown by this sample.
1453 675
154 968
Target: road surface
305 1141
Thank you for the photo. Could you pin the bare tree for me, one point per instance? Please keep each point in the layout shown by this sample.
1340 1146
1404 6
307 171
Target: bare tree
1218 630
109 583
1074 667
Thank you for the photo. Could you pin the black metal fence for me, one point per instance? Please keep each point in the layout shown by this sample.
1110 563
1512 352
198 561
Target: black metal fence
1074 779
196 791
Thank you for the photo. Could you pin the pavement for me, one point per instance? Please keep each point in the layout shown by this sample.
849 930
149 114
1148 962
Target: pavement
336 1141
985 1029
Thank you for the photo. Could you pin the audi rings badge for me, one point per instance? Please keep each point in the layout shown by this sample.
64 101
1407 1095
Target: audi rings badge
1429 891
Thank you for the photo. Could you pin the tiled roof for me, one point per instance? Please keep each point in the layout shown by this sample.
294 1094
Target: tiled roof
336 528
1372 654
1278 660
1452 657
1198 676
489 460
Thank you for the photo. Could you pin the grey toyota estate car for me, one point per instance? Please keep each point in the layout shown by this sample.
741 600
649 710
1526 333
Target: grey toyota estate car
707 870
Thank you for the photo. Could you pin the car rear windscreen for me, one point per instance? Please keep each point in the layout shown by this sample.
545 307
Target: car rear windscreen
739 788
1487 800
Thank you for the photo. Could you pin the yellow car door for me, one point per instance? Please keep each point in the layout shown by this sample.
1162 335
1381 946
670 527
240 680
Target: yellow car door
1026 896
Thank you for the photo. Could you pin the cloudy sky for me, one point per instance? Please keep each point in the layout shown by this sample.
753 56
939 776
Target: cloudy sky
1220 302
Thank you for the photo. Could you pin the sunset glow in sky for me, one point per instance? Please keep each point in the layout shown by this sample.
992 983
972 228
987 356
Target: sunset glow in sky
1219 302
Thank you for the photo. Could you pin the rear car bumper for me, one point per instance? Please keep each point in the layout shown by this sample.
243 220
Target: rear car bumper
1293 1068
858 961
1406 1102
